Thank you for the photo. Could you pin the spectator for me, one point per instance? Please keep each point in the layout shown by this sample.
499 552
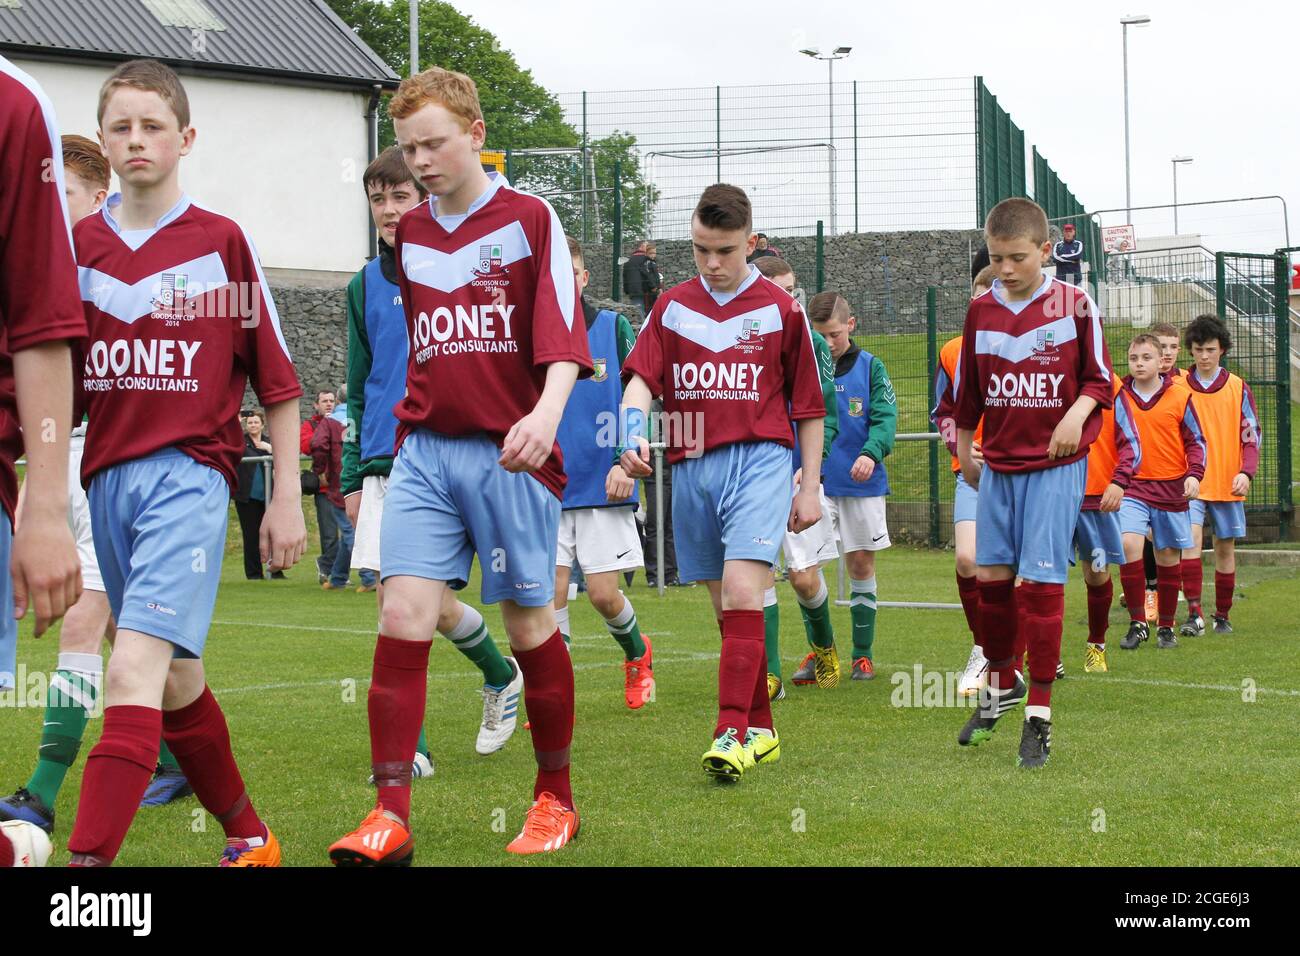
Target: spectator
634 275
340 413
1067 256
652 280
762 248
250 496
327 461
329 529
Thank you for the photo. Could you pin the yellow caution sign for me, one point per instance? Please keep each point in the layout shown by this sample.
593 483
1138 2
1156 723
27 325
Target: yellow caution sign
493 159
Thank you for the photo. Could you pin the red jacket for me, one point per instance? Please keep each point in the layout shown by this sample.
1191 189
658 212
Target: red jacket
305 433
327 458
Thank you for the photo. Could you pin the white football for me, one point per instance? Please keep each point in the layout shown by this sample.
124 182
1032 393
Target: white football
31 845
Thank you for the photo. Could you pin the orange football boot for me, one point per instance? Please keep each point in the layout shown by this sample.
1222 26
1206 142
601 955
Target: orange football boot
639 679
548 826
381 840
239 853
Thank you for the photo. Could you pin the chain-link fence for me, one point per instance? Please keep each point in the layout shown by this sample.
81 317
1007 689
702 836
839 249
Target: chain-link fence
858 155
1247 291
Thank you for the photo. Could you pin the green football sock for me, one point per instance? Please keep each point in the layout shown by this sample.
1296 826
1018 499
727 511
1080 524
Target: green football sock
624 629
422 745
863 614
817 618
69 703
166 759
472 639
772 631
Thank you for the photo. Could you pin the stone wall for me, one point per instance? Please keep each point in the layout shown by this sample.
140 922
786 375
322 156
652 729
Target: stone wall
315 327
883 275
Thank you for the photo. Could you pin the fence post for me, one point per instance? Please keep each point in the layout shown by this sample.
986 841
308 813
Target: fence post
717 127
982 209
855 155
821 258
586 224
931 360
510 166
1221 289
1281 300
618 229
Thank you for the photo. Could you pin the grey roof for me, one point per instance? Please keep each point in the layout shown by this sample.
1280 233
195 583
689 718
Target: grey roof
299 40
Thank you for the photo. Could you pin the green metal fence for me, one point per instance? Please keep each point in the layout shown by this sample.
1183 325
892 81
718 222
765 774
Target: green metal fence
1000 152
1248 291
1251 297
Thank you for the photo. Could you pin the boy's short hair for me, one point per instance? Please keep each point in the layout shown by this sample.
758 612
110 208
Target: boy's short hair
390 169
575 250
773 266
153 77
1207 328
1145 338
1164 329
84 157
985 277
325 390
724 207
1017 218
454 91
827 307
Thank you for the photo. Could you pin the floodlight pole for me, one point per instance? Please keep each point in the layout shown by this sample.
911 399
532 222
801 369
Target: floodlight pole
415 36
830 58
1125 23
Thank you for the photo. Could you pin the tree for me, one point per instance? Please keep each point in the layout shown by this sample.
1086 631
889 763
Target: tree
520 114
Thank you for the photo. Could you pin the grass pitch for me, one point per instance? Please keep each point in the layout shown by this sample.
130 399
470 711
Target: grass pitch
1182 757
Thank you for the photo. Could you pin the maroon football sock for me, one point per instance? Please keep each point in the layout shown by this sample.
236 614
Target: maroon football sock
1168 581
741 661
760 707
1191 574
999 630
398 684
198 737
1042 609
1099 601
548 696
117 772
1223 585
1132 578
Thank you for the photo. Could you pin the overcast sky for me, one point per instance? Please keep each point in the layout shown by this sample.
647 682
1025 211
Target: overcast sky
1216 86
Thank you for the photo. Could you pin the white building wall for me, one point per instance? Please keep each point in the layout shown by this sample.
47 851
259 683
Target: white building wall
285 161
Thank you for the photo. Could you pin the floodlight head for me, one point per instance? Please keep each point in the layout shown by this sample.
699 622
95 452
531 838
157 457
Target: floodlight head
1182 159
812 53
1136 20
843 50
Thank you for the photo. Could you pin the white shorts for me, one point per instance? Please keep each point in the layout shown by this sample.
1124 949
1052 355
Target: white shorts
365 543
79 514
860 523
601 539
813 546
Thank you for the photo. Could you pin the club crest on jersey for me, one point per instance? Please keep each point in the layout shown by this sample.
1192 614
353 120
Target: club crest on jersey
855 406
490 275
749 327
1045 347
489 259
169 304
750 339
599 374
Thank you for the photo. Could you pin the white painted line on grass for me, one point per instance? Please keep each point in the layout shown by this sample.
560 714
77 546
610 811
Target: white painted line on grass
443 675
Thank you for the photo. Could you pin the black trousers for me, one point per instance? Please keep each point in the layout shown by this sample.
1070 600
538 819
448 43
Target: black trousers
250 514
